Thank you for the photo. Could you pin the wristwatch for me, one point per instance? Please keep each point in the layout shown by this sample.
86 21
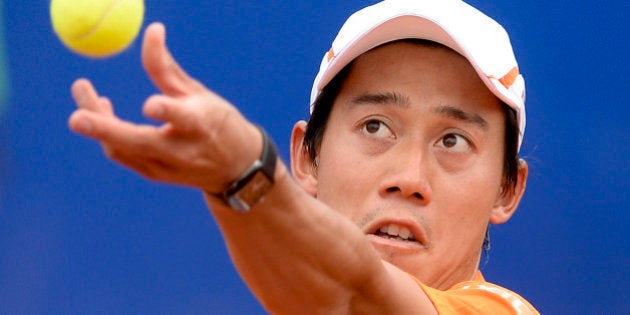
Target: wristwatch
252 186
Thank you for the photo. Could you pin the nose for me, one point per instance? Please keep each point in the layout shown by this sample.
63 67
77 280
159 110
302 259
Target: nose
407 176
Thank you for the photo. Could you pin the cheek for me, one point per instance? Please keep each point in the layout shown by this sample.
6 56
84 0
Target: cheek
471 196
466 199
480 180
342 181
460 219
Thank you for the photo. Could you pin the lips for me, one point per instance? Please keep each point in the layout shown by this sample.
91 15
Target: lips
395 231
403 235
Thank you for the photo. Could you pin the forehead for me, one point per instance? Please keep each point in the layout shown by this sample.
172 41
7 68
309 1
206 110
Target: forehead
408 55
414 42
422 70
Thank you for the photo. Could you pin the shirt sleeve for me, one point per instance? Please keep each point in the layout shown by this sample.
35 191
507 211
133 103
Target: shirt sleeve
477 297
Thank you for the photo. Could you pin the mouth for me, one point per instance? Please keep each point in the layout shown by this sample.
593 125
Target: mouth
396 235
395 232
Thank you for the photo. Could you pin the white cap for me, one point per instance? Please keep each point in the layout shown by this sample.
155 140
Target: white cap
452 23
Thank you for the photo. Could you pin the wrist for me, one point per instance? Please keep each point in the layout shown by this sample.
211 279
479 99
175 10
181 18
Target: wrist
252 185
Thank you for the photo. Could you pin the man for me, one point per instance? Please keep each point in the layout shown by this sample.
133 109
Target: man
410 152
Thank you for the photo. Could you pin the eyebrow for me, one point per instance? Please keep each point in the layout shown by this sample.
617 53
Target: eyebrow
459 114
403 101
382 98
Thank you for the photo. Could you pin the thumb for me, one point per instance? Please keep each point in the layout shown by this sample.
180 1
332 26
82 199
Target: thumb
161 67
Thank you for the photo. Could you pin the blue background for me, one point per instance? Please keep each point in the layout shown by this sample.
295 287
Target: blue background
79 234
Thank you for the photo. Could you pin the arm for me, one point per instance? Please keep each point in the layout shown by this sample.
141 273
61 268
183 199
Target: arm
294 252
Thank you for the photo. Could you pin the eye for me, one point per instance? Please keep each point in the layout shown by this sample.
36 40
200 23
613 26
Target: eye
454 142
376 128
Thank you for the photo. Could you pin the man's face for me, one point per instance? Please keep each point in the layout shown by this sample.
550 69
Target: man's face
413 154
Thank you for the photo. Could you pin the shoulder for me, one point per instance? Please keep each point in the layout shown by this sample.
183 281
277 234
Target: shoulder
478 297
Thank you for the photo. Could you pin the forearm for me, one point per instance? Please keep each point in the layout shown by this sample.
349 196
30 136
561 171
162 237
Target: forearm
295 253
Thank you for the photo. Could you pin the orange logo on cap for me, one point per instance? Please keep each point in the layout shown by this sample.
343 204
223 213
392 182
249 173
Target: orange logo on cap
508 79
330 54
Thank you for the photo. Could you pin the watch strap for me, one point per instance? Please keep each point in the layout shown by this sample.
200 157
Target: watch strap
250 188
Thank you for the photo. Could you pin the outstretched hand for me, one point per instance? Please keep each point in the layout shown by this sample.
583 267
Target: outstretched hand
202 141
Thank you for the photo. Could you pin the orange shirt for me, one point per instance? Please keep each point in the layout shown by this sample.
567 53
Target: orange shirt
477 297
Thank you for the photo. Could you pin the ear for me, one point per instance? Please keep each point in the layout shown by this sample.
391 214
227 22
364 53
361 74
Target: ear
302 167
507 201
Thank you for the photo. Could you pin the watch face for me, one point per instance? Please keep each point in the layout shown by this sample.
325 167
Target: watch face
252 192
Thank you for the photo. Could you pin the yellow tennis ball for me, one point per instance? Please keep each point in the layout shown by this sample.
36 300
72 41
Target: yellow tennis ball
97 28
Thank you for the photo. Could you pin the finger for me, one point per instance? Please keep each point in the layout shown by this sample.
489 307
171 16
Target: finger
183 116
115 133
106 105
162 68
86 97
